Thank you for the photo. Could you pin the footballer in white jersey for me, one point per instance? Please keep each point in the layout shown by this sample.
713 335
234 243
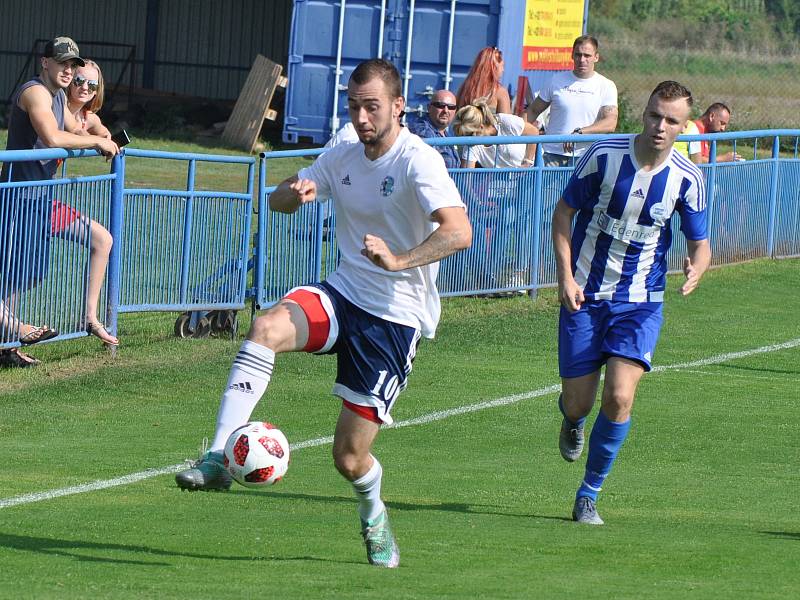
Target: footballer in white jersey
397 214
392 197
611 233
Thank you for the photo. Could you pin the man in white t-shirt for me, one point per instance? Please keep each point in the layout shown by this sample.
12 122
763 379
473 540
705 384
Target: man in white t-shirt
581 101
398 213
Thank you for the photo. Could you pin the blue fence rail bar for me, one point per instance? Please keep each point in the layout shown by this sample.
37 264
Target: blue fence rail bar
754 209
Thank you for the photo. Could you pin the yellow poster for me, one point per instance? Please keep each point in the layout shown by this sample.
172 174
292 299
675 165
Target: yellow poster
550 28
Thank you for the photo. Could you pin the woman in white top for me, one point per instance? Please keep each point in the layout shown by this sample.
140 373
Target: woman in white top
478 119
85 98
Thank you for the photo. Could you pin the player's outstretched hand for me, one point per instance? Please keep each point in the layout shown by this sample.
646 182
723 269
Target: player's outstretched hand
304 189
376 250
570 295
692 277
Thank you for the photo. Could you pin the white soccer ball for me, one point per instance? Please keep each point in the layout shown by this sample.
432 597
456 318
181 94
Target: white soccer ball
257 454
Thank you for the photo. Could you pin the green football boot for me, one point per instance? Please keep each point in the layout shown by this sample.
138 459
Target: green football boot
382 550
208 473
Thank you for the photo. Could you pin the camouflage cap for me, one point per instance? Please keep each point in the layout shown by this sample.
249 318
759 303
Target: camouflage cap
62 49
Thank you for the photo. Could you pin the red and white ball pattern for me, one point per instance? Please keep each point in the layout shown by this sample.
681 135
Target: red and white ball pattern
257 454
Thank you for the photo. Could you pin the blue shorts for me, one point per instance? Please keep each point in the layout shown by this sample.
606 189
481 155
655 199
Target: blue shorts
374 356
604 328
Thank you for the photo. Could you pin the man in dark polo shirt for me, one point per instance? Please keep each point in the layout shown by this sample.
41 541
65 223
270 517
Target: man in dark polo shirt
38 119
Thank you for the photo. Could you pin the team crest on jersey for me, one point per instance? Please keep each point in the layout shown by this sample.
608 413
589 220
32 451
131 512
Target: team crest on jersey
658 211
387 186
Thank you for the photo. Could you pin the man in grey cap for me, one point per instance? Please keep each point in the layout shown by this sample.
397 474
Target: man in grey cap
38 120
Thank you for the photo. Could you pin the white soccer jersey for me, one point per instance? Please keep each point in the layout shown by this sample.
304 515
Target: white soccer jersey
622 230
575 102
392 197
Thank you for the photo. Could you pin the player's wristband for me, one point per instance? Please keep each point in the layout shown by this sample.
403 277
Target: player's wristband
577 130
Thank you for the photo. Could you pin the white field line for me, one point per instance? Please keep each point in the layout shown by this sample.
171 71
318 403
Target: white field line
424 419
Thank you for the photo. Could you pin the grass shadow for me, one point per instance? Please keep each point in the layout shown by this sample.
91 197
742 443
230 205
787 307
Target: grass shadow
72 548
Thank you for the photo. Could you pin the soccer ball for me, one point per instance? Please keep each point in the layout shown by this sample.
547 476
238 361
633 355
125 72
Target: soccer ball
257 454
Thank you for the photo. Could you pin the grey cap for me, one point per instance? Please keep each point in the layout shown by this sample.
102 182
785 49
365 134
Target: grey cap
62 49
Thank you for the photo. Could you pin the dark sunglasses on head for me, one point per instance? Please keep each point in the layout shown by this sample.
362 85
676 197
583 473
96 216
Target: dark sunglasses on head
78 81
444 105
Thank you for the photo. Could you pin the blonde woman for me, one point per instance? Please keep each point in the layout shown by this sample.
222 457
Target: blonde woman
84 100
478 119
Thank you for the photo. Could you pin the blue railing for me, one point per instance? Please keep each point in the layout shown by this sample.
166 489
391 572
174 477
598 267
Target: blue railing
754 211
183 249
186 248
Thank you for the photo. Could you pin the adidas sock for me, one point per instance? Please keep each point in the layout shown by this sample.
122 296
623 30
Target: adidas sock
573 424
604 445
250 375
368 490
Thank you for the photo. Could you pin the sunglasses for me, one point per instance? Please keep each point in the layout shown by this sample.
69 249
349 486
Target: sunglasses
441 105
78 81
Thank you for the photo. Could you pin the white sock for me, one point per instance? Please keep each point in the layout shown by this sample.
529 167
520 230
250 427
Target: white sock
368 489
250 375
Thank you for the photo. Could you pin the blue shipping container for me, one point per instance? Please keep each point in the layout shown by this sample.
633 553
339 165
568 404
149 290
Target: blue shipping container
433 44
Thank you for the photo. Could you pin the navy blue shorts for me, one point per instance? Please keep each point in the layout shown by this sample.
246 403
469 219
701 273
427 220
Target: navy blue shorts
24 238
604 328
374 356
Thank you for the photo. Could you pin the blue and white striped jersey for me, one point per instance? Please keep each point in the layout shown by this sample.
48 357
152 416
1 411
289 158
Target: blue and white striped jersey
622 229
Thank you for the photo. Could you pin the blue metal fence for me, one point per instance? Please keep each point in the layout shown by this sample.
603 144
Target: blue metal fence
182 249
754 211
44 244
187 249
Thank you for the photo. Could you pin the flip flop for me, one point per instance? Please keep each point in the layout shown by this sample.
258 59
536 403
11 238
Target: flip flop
15 358
38 334
97 330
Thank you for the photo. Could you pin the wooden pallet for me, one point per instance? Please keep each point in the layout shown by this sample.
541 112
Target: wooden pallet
252 106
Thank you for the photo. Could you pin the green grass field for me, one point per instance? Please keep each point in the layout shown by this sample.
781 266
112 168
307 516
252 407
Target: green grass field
702 502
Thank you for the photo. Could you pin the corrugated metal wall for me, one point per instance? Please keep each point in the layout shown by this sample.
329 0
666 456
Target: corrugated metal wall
202 48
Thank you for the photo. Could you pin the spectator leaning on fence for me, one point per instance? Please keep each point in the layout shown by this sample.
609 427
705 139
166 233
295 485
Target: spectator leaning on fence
581 101
38 119
85 99
611 235
483 81
441 111
714 120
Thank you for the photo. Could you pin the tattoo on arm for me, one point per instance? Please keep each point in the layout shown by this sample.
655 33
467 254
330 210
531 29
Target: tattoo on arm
437 246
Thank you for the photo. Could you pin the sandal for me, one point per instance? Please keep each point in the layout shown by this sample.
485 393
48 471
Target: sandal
14 358
99 330
38 334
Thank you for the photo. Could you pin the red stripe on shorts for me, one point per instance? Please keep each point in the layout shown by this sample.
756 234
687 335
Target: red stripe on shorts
370 413
319 325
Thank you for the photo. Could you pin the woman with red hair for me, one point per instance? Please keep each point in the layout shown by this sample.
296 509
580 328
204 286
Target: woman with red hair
483 81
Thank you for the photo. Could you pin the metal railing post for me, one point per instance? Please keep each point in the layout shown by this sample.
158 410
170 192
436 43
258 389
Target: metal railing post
115 225
773 196
187 235
536 250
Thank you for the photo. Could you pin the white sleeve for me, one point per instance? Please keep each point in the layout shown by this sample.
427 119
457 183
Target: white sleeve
432 183
609 96
318 173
